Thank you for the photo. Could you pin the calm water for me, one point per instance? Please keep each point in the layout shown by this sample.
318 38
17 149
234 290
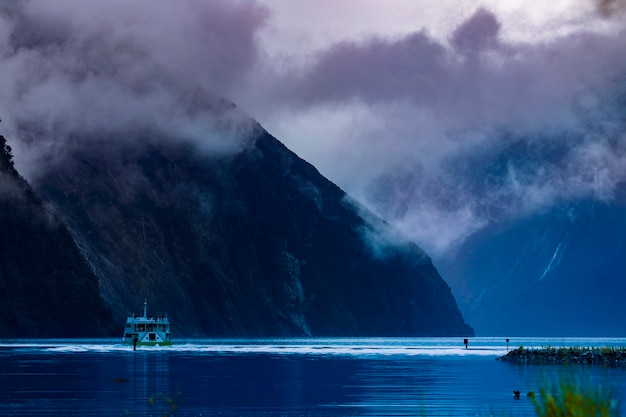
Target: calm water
287 377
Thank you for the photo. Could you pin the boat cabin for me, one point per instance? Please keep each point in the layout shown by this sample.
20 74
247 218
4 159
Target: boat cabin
147 330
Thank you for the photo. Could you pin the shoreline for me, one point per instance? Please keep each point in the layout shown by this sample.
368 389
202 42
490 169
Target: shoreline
567 356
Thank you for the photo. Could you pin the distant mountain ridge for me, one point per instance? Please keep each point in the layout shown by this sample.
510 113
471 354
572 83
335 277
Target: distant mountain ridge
562 273
560 269
255 243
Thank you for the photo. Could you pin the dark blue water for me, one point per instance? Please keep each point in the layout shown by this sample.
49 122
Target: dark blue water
293 377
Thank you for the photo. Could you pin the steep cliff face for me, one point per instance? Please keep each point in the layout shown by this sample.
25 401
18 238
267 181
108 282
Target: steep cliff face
562 273
46 287
560 268
253 243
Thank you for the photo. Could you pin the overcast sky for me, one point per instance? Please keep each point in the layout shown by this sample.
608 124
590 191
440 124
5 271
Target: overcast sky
401 103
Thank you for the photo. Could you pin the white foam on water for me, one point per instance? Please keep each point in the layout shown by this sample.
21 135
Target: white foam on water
337 349
356 347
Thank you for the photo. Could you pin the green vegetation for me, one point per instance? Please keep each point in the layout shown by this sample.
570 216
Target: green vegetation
568 355
569 399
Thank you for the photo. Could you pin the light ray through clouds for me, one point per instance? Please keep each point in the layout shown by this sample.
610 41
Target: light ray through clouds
442 117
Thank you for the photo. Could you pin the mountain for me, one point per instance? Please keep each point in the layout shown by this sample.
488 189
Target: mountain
561 273
557 271
248 243
46 287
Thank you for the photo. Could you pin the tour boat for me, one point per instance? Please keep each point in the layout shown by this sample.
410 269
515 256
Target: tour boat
147 330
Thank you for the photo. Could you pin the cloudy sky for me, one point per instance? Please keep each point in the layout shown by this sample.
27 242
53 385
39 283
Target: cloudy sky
409 106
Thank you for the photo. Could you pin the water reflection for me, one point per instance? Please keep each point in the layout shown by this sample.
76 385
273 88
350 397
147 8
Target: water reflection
147 377
433 387
298 378
265 384
275 385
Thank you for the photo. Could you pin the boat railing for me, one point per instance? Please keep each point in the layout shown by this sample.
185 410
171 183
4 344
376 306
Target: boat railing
152 319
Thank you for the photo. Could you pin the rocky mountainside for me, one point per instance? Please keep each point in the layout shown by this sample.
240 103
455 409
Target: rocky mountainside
555 271
46 287
562 273
254 243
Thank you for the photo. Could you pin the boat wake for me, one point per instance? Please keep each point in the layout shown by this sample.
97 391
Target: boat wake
356 347
348 347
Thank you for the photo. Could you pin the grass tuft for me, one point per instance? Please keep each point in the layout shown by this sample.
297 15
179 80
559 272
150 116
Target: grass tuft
570 399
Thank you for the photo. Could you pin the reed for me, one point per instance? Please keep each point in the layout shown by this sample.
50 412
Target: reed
572 399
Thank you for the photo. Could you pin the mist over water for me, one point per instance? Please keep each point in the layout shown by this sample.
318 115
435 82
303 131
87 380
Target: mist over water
281 377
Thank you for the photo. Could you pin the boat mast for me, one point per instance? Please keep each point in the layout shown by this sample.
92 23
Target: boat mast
145 308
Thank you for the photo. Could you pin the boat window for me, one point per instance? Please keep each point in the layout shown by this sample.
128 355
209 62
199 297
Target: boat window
152 336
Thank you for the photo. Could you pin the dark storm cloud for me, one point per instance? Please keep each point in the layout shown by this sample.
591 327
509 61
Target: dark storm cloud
610 8
378 70
478 33
475 77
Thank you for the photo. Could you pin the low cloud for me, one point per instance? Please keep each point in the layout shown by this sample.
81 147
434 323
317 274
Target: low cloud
116 65
440 135
450 136
476 79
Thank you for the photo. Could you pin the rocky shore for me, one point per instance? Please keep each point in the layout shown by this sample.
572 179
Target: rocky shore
565 356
